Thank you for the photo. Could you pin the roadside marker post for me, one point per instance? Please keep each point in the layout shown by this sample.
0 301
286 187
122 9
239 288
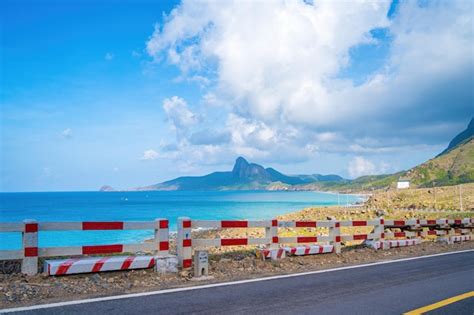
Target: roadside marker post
184 243
161 237
335 235
29 265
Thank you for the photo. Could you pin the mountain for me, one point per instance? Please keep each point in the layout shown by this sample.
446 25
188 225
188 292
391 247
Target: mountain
455 165
461 138
106 188
244 176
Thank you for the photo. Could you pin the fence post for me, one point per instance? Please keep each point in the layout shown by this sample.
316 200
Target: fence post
161 237
29 265
335 234
272 234
379 229
184 243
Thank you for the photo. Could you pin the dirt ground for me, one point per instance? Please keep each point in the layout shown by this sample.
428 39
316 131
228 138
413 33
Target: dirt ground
20 290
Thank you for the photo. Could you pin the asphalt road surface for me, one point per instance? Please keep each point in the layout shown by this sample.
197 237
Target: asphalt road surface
392 288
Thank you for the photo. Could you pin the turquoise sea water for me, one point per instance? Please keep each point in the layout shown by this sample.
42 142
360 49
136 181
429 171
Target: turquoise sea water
144 206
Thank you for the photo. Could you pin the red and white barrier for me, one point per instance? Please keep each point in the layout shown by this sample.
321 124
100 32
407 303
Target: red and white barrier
273 254
402 243
460 238
30 250
97 264
377 244
309 250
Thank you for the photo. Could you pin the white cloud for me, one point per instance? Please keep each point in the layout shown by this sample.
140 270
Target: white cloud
279 61
178 113
109 56
360 166
273 69
67 133
149 155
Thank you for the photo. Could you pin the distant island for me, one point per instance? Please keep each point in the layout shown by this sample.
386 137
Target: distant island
455 165
244 176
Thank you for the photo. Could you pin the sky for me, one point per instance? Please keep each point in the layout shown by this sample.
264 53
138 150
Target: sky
132 93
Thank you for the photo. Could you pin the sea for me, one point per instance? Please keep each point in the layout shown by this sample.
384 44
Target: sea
146 206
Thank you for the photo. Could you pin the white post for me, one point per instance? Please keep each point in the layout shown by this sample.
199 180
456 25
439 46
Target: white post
335 234
29 264
184 243
379 229
272 234
161 237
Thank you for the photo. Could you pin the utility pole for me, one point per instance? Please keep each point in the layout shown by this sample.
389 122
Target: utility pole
460 197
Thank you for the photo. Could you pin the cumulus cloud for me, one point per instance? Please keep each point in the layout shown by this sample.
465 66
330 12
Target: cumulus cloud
178 113
149 155
360 166
276 67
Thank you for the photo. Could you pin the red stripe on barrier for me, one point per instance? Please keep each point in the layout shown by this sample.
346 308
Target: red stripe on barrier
187 263
305 224
321 249
306 239
102 249
338 239
187 224
399 234
399 223
31 227
431 232
382 235
102 226
275 239
293 251
418 221
152 263
163 224
359 223
358 237
234 224
280 253
274 222
382 221
98 265
31 251
187 243
234 241
306 250
127 263
457 221
337 224
64 267
164 246
430 221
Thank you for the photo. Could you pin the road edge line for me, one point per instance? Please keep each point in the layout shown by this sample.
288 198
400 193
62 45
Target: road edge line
221 284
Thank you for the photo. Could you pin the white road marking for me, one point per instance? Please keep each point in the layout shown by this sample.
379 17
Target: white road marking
213 285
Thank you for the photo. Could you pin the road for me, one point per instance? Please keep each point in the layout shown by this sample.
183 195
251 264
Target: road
391 288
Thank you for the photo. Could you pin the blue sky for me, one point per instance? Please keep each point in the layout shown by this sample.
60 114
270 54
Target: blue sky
130 93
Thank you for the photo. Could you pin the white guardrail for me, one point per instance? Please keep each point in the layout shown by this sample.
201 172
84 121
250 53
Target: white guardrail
30 251
381 229
382 234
